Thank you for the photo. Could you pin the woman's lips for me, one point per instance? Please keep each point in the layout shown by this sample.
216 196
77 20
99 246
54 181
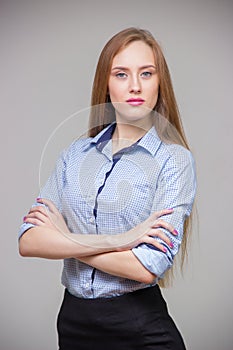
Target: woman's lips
135 101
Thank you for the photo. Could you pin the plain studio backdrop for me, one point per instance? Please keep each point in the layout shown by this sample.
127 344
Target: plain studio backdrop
49 52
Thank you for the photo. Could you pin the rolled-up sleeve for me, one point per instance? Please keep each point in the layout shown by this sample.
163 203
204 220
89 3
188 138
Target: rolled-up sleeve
52 189
175 188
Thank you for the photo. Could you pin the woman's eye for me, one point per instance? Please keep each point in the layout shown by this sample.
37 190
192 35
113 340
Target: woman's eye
146 74
120 75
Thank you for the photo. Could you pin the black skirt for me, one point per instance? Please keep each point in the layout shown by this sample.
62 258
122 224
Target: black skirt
137 320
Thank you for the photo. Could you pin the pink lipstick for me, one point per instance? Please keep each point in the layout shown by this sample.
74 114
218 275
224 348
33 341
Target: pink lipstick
135 101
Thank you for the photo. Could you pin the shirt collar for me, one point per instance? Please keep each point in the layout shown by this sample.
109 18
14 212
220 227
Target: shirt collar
91 141
150 141
104 137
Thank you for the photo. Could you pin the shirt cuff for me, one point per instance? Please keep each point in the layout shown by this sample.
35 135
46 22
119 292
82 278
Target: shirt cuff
23 228
153 260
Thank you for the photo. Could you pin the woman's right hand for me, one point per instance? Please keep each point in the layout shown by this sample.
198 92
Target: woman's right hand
146 232
46 215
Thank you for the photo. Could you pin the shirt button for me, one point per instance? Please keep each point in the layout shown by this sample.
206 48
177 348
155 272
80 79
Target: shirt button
87 285
92 219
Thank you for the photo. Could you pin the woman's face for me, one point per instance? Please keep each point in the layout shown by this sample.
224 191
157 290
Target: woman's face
133 83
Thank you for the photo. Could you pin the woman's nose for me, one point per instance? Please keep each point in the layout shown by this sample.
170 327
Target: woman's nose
134 85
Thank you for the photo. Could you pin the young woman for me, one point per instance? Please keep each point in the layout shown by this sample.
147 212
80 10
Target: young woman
105 209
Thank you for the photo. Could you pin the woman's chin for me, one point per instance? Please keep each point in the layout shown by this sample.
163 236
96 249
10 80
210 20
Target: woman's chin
131 114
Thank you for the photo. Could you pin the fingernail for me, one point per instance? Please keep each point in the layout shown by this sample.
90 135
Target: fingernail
38 199
165 250
24 218
175 232
171 245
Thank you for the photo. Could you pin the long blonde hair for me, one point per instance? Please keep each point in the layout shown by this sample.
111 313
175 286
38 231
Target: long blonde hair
103 113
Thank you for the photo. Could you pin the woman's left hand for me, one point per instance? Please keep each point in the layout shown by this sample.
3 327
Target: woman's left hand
48 216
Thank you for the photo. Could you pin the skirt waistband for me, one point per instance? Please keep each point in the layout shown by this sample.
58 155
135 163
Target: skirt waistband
143 293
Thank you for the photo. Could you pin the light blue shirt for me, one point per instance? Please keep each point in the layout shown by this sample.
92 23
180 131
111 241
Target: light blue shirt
98 195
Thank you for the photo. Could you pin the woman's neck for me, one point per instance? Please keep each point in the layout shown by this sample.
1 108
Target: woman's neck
127 134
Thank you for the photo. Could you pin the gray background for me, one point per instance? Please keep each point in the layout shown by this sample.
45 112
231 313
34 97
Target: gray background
49 52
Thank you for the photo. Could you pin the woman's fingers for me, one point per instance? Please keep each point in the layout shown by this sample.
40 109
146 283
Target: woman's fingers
156 244
166 225
49 204
46 214
150 238
158 214
33 221
35 215
161 223
39 219
39 209
39 213
160 234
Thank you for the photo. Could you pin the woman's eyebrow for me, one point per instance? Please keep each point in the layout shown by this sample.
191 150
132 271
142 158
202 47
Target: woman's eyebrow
125 68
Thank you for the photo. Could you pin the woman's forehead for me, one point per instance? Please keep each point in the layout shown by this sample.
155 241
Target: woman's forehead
136 53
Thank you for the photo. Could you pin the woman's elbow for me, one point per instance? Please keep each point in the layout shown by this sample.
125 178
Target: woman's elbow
25 245
23 249
147 277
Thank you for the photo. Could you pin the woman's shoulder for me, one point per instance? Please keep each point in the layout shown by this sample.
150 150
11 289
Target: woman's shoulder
177 153
77 148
